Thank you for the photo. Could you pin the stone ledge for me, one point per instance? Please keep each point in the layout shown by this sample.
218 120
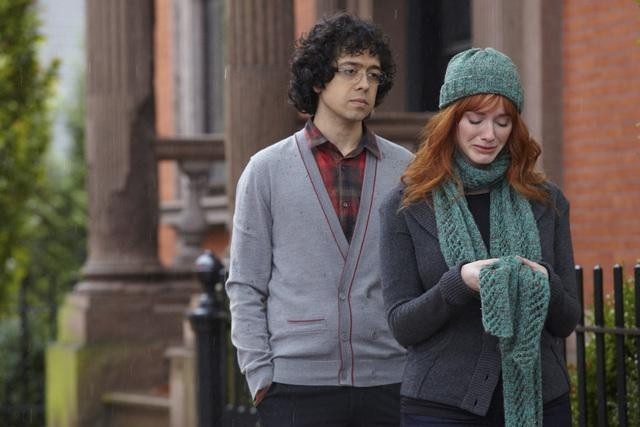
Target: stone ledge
136 399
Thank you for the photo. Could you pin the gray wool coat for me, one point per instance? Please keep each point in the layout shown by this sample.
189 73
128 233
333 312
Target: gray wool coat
451 360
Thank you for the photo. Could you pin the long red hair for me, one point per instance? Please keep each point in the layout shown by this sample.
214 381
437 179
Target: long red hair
433 163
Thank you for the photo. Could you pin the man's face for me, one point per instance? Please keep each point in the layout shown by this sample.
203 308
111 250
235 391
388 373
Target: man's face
351 94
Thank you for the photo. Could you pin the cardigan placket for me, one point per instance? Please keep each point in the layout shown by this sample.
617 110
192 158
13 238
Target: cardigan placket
351 252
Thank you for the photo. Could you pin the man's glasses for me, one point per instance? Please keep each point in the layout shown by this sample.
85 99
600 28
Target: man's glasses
354 73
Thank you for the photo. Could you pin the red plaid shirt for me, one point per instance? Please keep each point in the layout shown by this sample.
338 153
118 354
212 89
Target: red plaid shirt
342 175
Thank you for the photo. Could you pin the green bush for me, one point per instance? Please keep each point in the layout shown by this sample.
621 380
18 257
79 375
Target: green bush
25 90
56 248
42 212
22 372
630 358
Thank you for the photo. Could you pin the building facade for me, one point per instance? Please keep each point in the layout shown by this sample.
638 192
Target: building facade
579 62
202 85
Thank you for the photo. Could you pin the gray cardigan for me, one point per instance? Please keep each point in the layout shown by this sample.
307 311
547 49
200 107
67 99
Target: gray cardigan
306 305
451 360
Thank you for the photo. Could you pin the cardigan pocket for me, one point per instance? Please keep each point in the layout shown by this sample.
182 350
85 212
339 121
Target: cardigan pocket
303 326
560 360
415 373
555 378
420 360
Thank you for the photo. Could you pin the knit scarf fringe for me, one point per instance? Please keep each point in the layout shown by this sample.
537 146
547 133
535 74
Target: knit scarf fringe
514 298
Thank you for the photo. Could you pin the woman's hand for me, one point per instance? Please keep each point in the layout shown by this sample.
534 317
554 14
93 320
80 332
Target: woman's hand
534 266
471 272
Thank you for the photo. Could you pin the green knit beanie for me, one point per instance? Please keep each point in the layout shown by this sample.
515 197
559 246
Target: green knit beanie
475 71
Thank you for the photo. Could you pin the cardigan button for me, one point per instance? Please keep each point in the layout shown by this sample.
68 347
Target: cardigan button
342 296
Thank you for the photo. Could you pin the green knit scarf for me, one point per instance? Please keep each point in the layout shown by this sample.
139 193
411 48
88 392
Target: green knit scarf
514 298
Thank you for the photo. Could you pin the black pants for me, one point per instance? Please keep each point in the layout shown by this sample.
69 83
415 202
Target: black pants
556 415
328 406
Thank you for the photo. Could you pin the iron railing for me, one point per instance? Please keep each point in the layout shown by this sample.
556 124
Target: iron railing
223 398
625 337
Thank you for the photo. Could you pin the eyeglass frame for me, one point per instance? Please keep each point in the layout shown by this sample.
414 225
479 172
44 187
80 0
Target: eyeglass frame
357 77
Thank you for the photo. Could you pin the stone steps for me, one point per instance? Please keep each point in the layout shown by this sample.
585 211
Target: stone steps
130 409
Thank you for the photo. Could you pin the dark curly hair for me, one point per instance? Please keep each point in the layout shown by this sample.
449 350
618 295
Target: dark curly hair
313 61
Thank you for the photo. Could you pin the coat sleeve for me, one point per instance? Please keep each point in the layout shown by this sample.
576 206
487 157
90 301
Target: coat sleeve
564 307
249 276
417 306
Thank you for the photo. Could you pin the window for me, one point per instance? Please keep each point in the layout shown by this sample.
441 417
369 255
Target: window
436 31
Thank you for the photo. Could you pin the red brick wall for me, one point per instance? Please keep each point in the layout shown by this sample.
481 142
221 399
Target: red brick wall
601 109
164 119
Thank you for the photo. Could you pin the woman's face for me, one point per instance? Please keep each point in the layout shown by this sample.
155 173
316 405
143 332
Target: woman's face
482 134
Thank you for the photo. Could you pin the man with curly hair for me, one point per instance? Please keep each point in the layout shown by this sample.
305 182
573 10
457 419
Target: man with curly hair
306 305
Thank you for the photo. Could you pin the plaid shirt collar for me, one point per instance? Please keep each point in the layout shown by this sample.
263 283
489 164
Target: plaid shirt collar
368 141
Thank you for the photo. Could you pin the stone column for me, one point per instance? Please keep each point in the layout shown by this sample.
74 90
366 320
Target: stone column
329 7
122 181
530 33
258 43
117 323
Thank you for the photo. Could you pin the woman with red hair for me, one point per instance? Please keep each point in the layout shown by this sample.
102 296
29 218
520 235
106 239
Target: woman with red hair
477 261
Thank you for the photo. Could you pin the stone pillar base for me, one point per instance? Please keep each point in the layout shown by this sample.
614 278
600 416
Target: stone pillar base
112 336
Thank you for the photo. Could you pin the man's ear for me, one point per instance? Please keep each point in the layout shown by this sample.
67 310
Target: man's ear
317 89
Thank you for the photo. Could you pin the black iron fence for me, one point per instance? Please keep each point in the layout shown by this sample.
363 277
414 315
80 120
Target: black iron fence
608 352
607 373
